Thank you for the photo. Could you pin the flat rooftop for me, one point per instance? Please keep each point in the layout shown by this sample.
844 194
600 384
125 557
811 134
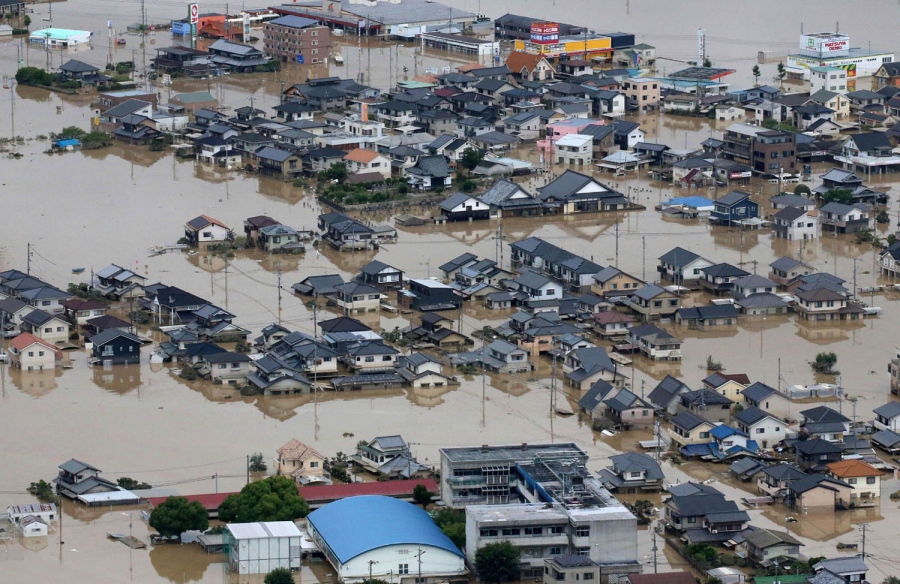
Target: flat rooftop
411 12
513 452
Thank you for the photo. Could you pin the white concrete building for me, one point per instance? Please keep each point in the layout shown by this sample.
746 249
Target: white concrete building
574 149
259 548
562 510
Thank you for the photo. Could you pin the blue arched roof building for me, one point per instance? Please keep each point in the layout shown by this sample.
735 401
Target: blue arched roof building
384 535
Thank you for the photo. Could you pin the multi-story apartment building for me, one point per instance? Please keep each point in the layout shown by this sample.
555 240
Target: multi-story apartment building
765 151
294 38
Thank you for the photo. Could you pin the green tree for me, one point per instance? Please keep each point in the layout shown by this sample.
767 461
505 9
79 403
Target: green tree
337 171
891 239
825 363
770 123
33 76
176 515
422 496
279 576
707 62
844 196
271 499
130 484
891 580
882 217
497 562
43 491
257 462
756 73
703 554
471 158
374 581
782 72
802 190
26 21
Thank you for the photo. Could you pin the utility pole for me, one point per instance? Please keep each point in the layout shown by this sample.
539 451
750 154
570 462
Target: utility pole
419 558
654 548
643 258
658 442
279 294
863 527
617 239
28 260
248 469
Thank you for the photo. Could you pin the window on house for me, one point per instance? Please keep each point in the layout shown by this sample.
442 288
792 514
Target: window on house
583 531
403 569
870 480
370 359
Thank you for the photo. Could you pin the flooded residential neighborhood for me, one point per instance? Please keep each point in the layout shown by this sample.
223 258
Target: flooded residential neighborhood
620 294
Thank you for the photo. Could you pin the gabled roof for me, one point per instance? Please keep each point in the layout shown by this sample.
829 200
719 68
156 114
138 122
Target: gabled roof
108 335
717 379
25 340
733 198
678 257
763 538
594 396
724 270
790 214
852 468
198 223
752 415
810 482
666 390
688 420
889 410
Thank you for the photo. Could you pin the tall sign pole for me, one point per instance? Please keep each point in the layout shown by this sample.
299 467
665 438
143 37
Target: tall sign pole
194 16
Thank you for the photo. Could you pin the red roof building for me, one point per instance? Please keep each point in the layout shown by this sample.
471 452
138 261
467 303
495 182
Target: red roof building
319 495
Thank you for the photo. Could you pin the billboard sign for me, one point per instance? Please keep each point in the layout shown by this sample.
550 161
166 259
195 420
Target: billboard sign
246 28
194 13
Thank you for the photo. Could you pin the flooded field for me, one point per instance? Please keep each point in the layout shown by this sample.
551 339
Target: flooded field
95 208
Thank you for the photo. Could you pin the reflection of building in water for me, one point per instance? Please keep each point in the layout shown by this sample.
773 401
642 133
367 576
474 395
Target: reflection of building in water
119 379
824 333
428 396
35 383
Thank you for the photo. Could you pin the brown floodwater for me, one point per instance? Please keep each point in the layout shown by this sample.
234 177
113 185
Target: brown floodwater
94 208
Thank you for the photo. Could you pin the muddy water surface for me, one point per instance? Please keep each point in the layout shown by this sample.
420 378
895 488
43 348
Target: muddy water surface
94 208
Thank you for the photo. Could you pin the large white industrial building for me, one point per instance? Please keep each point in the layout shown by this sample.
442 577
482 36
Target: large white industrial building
384 538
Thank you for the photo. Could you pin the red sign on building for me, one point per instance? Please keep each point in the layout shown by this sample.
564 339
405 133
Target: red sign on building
545 33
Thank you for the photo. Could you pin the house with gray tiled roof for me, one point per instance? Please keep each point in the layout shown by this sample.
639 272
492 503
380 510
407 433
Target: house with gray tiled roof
632 472
665 396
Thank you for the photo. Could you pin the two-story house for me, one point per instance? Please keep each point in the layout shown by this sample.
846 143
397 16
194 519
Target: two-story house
761 426
300 462
682 267
795 223
824 423
775 480
734 208
815 454
381 275
759 395
700 513
652 302
689 428
825 304
357 297
719 278
632 472
654 342
584 367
